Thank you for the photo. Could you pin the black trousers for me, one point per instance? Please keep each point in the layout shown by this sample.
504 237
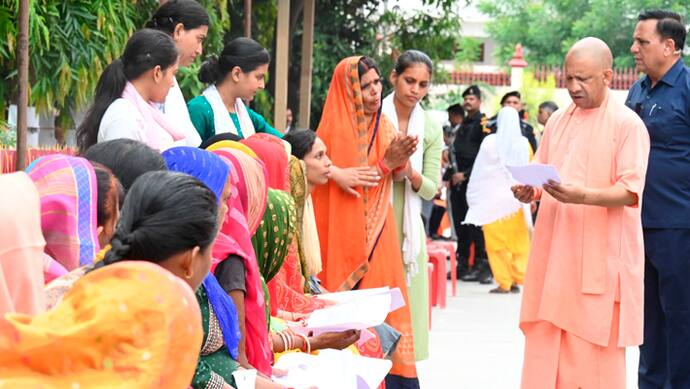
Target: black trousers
467 233
665 353
437 213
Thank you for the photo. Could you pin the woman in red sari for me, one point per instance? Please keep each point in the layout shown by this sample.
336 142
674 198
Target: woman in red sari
356 226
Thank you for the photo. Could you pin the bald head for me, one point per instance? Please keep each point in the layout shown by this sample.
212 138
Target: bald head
594 49
588 72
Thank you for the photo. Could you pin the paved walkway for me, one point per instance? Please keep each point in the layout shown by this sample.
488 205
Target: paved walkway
476 343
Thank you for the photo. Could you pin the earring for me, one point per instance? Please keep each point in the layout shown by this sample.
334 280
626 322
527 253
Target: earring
188 274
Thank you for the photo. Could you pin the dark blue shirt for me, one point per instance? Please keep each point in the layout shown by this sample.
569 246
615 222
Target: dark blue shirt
665 110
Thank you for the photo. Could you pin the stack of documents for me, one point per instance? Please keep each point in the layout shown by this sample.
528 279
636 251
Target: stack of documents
353 310
332 369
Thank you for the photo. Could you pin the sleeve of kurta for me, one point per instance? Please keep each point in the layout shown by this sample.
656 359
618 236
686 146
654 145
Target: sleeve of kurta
201 115
120 124
261 125
631 157
431 169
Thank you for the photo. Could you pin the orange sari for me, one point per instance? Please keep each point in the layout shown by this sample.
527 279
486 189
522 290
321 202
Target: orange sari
359 242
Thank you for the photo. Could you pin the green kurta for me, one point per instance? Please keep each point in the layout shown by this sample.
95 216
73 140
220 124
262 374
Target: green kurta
201 113
418 290
215 363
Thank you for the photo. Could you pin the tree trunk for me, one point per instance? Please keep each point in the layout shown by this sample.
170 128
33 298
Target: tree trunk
248 18
23 72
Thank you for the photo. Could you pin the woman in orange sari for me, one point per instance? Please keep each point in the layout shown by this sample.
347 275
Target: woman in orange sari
356 226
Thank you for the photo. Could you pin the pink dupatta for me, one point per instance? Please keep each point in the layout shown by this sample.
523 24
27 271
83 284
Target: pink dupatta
155 121
21 246
245 209
69 199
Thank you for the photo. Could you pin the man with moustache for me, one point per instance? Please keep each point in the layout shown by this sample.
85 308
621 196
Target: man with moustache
583 294
468 138
662 99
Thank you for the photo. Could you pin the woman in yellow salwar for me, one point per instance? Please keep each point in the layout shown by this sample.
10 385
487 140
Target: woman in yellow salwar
356 226
505 221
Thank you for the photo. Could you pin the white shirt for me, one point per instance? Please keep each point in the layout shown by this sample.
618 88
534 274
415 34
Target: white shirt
122 119
176 111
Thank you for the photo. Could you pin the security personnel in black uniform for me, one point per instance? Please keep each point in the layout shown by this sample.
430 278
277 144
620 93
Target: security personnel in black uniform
512 99
468 138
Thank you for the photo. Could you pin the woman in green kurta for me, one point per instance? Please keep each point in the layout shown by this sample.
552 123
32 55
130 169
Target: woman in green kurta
233 78
215 366
417 181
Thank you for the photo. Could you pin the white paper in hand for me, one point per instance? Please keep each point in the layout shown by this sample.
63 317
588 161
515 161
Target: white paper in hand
332 369
355 310
534 174
245 379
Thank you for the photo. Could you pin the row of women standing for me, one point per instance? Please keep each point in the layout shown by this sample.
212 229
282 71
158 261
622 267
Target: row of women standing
235 215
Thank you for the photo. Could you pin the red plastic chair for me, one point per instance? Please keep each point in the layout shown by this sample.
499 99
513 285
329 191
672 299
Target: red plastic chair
430 272
450 247
437 256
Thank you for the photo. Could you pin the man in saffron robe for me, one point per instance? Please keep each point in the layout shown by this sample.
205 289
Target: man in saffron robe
583 297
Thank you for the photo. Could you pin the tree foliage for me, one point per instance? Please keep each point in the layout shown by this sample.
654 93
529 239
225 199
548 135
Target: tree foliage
72 41
547 28
358 27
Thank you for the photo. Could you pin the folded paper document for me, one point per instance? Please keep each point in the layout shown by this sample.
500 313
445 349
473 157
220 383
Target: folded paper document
534 174
333 369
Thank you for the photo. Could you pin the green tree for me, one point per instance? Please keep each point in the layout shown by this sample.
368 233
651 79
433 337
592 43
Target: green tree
469 50
547 28
358 27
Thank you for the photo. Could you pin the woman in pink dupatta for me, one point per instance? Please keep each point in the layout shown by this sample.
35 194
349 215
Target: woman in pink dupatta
245 209
128 92
80 205
21 246
69 200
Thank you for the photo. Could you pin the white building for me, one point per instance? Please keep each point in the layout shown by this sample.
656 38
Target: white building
473 25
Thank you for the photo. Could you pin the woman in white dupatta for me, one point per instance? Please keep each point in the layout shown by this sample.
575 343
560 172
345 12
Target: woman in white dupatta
186 21
417 181
234 78
505 221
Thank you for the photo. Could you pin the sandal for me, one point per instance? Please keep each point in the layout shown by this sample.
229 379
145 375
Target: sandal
499 290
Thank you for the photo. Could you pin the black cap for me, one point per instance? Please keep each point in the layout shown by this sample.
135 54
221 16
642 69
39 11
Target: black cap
456 109
510 94
472 90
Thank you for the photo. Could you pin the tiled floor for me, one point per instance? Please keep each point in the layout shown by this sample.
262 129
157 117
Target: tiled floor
476 343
